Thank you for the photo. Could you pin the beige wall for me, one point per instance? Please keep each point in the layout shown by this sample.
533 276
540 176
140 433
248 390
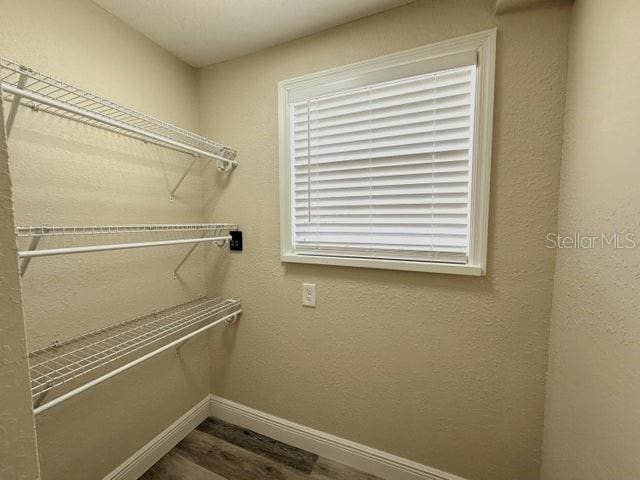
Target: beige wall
592 425
444 370
65 173
18 451
505 6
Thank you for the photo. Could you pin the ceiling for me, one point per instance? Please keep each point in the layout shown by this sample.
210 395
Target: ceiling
203 32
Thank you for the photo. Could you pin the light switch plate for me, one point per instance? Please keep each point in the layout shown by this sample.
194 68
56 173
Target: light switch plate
309 294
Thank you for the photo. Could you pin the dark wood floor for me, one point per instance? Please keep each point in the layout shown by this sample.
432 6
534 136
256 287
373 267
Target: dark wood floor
216 450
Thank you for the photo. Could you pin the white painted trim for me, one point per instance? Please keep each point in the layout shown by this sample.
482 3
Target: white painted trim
406 265
483 45
143 459
482 146
370 460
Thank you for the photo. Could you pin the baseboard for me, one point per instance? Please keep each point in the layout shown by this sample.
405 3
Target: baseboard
370 460
143 459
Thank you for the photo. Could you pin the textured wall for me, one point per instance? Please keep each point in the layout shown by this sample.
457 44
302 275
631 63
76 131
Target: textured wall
445 370
592 424
18 452
66 173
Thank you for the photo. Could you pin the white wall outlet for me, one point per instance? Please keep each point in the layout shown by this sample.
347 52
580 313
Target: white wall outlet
309 294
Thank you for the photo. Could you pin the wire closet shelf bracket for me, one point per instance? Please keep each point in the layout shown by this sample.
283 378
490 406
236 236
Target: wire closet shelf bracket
24 86
217 233
88 355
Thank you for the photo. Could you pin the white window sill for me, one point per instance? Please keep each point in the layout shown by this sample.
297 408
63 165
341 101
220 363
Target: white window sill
432 267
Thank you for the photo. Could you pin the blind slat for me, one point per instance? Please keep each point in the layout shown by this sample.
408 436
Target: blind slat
435 160
401 118
379 172
399 211
384 111
395 131
351 202
372 142
393 89
436 96
385 152
381 187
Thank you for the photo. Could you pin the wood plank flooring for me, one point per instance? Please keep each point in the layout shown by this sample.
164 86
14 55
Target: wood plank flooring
216 450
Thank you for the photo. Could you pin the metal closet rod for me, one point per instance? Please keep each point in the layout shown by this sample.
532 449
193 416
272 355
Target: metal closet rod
116 246
113 373
20 92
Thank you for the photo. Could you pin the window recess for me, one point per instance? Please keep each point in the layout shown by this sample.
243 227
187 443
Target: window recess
383 171
385 164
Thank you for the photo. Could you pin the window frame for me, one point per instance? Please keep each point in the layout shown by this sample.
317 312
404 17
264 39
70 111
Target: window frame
427 58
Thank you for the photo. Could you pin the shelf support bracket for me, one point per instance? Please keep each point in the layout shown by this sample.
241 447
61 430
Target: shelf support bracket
179 348
225 167
220 244
186 257
25 262
231 320
172 195
38 401
22 80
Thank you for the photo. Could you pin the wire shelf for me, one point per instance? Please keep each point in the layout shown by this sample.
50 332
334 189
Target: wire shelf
67 361
57 230
38 232
44 93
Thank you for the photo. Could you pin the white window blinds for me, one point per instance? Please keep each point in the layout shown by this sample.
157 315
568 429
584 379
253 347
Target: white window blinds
384 171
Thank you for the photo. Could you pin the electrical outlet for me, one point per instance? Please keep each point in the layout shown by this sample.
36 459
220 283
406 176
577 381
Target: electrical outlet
309 294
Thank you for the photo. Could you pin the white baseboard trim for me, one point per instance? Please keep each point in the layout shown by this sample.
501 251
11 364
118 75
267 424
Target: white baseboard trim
370 460
143 459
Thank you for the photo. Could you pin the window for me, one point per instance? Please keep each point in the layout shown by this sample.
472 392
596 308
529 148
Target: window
385 163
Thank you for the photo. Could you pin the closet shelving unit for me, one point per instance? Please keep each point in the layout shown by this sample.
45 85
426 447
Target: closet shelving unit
99 355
